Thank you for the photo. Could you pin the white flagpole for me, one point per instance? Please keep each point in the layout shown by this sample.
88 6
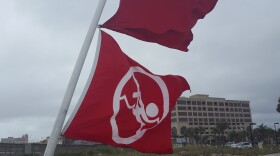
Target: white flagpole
50 149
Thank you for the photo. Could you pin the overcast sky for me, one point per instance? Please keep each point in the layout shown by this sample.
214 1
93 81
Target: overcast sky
234 55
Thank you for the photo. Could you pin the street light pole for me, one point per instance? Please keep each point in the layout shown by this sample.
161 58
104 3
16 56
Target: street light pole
251 124
276 138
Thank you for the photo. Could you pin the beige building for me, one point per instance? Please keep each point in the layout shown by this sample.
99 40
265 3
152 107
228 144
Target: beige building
12 140
206 112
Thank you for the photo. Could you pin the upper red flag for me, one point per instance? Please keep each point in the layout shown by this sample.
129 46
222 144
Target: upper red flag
125 104
166 22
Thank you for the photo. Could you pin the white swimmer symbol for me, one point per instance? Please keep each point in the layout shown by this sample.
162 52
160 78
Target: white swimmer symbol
139 109
142 115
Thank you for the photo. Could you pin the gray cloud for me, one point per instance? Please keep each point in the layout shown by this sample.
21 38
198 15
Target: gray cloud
234 54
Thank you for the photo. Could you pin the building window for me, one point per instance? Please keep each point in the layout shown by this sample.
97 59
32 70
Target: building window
210 114
210 109
246 110
183 130
194 113
194 108
199 114
221 104
193 102
182 113
189 108
173 120
199 108
245 105
204 114
198 103
189 113
215 104
181 108
173 114
216 109
181 102
183 119
247 120
221 109
203 102
209 103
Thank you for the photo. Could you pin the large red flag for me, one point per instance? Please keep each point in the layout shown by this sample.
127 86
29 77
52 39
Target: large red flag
166 22
126 105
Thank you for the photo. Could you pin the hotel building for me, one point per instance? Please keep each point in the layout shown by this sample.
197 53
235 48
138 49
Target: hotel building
206 112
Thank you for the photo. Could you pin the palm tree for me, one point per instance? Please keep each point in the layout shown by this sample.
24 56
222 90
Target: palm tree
200 131
264 133
190 134
232 136
242 136
278 132
270 135
196 134
215 131
204 138
260 132
221 128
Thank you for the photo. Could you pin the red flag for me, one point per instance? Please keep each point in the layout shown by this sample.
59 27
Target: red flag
166 22
125 104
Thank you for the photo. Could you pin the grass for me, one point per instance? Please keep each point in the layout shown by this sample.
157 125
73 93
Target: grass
224 151
189 150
